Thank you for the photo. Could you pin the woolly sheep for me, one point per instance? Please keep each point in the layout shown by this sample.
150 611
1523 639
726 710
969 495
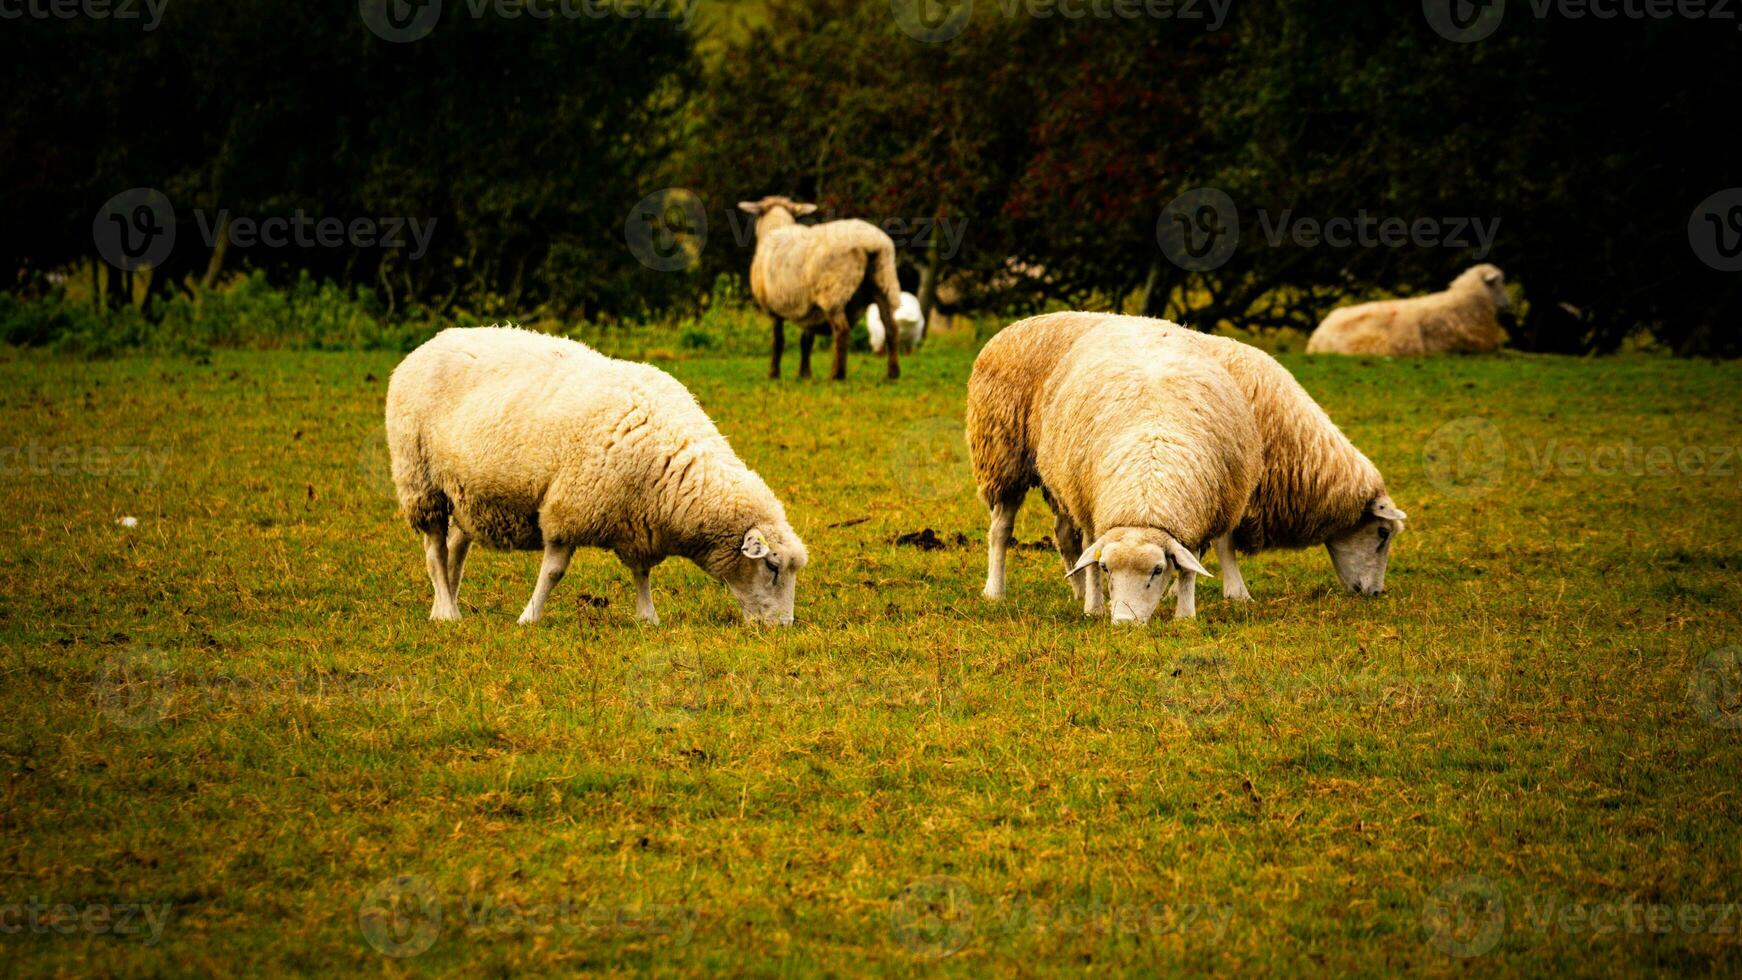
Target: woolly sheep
908 317
1464 319
525 441
1147 450
819 276
1314 486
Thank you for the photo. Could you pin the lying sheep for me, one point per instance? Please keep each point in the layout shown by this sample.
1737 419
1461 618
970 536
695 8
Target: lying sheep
1144 447
1314 486
525 441
819 276
1465 319
908 318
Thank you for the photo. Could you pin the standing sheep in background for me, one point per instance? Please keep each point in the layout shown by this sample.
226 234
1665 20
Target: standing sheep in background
1314 486
525 441
819 276
1146 450
909 320
1465 319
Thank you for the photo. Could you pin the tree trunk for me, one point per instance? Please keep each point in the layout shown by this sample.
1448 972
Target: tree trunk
220 247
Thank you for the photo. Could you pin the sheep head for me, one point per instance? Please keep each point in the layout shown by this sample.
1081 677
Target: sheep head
763 573
1137 563
1361 553
1490 278
775 211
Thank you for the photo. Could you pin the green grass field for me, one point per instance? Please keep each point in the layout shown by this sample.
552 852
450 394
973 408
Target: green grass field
235 744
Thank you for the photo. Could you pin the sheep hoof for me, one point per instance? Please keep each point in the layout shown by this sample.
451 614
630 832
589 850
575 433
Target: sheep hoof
444 615
1238 596
993 594
526 619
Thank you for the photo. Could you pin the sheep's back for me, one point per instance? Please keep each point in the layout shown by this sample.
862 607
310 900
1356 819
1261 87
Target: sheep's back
1141 427
494 418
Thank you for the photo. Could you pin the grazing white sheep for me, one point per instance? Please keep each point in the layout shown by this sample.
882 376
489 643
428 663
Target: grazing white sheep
1314 487
525 441
1464 319
819 276
1146 450
908 317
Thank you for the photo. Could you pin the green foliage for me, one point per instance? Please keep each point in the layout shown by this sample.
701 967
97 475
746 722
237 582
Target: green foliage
1052 142
518 142
249 313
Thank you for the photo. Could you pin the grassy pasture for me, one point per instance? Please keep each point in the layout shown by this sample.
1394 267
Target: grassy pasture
232 724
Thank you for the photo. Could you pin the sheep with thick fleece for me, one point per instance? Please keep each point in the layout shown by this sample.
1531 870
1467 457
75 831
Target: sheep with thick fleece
1314 486
521 440
1464 319
1147 451
909 322
820 276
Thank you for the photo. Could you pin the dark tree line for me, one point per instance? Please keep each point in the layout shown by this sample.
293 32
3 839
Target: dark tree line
523 141
1584 145
1051 146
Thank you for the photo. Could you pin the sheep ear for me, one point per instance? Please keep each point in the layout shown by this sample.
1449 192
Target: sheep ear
804 209
1090 555
1384 508
755 545
1491 277
750 207
1187 562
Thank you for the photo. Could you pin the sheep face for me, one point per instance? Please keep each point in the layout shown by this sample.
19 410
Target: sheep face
772 204
1137 563
763 575
1361 553
1494 281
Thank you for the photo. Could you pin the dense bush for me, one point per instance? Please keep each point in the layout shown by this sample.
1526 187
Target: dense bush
1052 143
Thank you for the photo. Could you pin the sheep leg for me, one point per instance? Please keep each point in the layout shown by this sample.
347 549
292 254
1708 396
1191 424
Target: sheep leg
893 342
1094 599
838 323
997 543
1233 586
550 572
1187 606
644 596
805 339
459 542
1070 543
435 561
779 346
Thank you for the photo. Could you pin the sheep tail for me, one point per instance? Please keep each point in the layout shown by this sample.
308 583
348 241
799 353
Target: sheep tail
882 260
